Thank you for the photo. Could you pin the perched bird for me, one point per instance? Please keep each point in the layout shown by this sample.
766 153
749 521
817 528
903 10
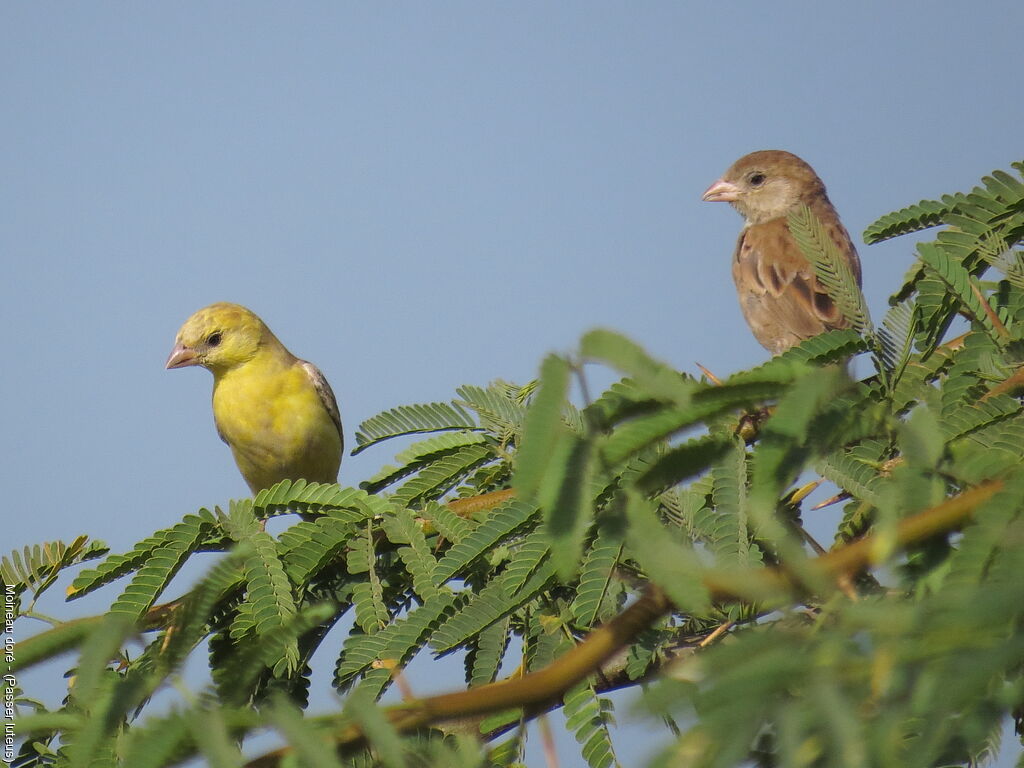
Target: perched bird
276 412
781 298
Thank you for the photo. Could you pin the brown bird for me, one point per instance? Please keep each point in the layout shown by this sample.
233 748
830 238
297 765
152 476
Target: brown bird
781 298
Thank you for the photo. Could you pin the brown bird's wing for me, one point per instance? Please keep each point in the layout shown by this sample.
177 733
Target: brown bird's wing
319 382
781 298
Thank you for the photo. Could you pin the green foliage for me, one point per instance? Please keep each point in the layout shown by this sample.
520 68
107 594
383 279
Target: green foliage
116 566
36 568
589 716
913 218
831 268
412 419
663 479
597 580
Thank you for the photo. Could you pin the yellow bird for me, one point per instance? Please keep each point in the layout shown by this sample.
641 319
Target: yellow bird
276 412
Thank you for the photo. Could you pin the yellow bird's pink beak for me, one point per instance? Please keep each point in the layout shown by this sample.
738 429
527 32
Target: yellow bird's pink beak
182 356
721 192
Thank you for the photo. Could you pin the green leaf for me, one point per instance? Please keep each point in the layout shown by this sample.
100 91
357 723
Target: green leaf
160 566
367 597
95 693
116 566
683 462
209 729
420 455
896 336
491 644
311 546
527 556
159 743
193 615
313 745
441 475
565 500
914 218
653 377
791 438
401 528
920 438
493 602
504 521
669 561
237 675
397 643
383 737
831 267
269 595
855 470
543 430
959 281
596 576
317 498
588 716
968 418
412 419
727 526
37 567
500 407
448 524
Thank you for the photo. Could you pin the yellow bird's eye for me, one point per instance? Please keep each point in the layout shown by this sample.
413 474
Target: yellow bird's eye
213 339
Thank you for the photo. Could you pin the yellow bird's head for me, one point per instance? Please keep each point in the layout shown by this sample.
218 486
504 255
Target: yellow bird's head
219 337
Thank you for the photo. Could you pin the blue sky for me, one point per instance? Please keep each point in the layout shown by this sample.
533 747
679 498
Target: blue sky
416 196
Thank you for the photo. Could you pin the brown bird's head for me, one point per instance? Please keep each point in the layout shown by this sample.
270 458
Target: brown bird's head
766 185
219 337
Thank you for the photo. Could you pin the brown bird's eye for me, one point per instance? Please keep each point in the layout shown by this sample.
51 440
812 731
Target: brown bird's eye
213 339
756 179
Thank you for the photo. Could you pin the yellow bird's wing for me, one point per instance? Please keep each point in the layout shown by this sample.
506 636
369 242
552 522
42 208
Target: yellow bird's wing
319 382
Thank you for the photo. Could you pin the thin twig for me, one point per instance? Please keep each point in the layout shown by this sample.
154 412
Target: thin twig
720 630
547 738
710 376
990 313
1008 385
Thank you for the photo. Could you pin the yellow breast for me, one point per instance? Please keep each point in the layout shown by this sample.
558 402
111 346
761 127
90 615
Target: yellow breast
272 417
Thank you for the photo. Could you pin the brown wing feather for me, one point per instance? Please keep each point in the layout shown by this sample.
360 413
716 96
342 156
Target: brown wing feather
781 298
323 389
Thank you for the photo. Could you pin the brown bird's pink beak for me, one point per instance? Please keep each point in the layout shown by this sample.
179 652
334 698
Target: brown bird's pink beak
721 192
182 356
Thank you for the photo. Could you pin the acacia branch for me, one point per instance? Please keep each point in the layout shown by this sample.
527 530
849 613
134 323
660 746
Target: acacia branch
540 688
